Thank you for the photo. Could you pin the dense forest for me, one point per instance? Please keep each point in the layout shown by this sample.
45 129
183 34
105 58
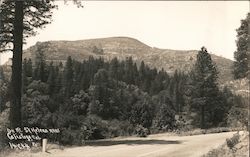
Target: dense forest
96 99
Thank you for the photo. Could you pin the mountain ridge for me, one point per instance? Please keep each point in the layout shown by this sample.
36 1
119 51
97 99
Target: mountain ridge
123 47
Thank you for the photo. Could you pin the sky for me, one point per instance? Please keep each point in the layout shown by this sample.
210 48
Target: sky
180 25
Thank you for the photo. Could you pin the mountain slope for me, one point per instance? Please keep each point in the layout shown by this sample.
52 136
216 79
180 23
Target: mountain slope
122 47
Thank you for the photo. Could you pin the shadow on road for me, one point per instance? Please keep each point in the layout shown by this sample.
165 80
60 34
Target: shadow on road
130 142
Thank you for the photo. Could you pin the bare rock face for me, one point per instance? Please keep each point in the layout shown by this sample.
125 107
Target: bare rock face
123 47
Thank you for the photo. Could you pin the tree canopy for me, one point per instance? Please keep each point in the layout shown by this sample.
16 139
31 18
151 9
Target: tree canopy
36 14
19 20
242 54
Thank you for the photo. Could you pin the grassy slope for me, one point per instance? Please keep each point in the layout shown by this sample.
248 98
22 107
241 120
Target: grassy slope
241 149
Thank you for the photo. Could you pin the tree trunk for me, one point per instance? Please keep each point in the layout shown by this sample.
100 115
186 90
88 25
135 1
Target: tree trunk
16 79
202 117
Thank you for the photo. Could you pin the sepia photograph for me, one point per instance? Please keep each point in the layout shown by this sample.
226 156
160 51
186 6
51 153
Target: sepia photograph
124 78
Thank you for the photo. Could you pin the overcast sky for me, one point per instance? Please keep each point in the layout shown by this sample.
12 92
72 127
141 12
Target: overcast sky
181 25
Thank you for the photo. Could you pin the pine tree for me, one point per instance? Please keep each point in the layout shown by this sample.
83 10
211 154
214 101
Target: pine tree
113 69
68 77
142 73
51 79
85 80
40 72
242 54
205 98
19 19
102 93
59 95
177 92
129 71
29 68
77 76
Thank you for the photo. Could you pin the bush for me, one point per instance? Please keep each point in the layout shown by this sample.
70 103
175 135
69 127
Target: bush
93 127
126 128
141 131
164 119
218 130
182 125
71 137
231 142
114 128
97 127
4 123
238 117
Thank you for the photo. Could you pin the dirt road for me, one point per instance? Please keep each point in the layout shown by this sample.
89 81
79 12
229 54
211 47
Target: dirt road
161 145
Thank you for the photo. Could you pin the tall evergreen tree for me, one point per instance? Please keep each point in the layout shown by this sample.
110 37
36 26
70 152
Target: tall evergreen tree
68 77
58 83
129 71
114 69
51 81
29 68
40 63
102 92
76 77
142 74
19 19
205 98
242 54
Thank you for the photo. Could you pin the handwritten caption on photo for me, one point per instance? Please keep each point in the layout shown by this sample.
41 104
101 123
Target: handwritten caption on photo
28 136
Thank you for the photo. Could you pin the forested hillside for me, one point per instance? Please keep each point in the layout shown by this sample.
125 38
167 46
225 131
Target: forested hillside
123 47
95 98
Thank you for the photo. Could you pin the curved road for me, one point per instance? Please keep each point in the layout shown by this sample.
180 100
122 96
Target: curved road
159 145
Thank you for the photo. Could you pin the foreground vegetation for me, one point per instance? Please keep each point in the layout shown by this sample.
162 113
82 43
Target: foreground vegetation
237 146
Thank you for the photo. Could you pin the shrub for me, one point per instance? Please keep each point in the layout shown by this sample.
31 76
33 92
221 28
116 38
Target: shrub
231 142
93 127
126 128
114 128
182 125
237 117
97 128
71 137
4 123
218 130
141 131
